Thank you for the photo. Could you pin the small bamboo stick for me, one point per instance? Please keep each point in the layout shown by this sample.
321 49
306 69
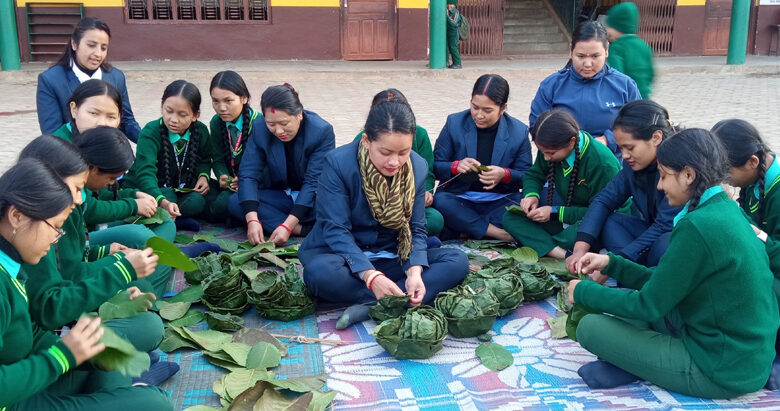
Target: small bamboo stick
310 340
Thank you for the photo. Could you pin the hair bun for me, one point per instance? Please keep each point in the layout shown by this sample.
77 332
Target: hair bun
288 85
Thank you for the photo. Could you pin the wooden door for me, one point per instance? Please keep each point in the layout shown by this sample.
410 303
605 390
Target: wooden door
717 23
368 30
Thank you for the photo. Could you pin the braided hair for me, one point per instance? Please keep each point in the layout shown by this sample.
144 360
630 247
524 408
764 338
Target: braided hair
231 81
741 140
188 173
555 129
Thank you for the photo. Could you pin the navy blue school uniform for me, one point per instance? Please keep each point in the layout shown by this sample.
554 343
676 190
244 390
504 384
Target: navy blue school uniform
642 236
333 253
56 86
458 140
264 178
594 102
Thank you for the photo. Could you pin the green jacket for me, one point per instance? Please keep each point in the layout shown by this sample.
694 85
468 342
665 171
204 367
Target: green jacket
72 279
633 57
64 132
217 126
769 221
597 167
421 146
98 211
31 359
716 273
144 173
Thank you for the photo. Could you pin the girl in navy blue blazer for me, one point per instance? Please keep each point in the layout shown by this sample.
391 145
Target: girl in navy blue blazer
587 87
480 158
369 240
280 167
84 58
643 235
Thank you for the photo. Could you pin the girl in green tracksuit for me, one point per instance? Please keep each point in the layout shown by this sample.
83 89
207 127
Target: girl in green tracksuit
715 274
570 162
38 370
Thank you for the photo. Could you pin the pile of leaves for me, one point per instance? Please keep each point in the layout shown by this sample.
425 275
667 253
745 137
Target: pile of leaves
469 312
538 284
389 307
502 278
418 334
225 291
282 297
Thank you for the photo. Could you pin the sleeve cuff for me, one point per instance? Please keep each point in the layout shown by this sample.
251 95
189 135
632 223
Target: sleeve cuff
300 211
159 198
249 206
507 176
125 269
531 194
454 167
561 209
585 237
203 175
62 356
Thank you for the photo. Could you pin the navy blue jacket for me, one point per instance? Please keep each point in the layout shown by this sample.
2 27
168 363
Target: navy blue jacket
648 203
345 225
458 140
594 102
56 86
264 165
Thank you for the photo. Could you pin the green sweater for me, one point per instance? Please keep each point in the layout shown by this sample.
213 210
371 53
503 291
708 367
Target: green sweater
31 359
716 273
63 285
633 57
597 167
769 221
64 132
421 146
144 173
103 211
217 140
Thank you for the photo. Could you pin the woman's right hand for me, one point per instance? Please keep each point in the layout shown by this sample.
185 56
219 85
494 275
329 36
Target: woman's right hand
592 262
146 205
528 204
83 340
468 165
580 248
144 261
223 179
254 233
382 286
171 207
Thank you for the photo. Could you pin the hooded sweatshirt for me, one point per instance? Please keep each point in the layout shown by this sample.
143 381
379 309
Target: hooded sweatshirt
629 54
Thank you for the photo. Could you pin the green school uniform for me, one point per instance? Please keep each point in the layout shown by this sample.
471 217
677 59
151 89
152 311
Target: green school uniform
633 57
716 274
422 146
597 167
145 174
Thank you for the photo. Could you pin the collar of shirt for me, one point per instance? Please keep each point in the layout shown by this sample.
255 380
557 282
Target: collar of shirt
583 138
176 137
82 76
706 195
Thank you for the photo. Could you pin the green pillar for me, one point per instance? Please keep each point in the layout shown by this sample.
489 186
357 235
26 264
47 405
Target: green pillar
438 27
9 42
740 19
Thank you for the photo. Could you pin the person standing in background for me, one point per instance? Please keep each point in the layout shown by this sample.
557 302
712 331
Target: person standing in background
628 53
453 22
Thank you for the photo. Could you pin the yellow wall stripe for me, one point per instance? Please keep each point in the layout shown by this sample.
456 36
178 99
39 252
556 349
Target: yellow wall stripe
402 4
412 4
305 3
691 2
87 3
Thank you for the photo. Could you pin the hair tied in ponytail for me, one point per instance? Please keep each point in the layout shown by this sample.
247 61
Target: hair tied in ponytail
389 96
288 85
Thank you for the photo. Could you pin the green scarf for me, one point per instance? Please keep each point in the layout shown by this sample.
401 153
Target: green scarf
390 205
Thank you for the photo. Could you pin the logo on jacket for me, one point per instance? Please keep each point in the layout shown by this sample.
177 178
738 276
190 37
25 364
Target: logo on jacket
611 104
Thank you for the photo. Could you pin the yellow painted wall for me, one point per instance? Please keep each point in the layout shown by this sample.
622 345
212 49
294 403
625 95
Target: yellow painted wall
690 2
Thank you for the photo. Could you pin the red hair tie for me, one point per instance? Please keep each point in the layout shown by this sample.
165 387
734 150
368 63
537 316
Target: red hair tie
288 85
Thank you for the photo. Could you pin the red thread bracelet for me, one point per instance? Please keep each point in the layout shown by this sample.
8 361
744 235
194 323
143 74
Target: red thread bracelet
507 176
371 281
454 167
286 228
254 221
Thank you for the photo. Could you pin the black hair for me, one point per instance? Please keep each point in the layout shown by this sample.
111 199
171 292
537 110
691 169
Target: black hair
283 98
86 24
106 148
57 153
389 117
35 189
231 81
700 150
95 87
587 31
495 87
741 141
390 94
555 128
642 118
188 174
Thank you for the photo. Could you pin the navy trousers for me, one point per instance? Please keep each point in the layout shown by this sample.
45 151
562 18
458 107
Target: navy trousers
329 278
472 218
275 206
621 229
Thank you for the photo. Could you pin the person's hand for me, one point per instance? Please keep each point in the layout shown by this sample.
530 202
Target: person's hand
602 140
759 233
116 247
202 185
528 204
146 205
234 184
223 179
491 178
279 236
254 232
580 248
591 262
83 340
572 285
134 292
428 198
144 261
141 195
468 165
540 214
598 277
171 207
414 285
382 286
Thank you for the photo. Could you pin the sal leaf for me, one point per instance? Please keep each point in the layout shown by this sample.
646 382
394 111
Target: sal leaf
121 306
515 209
525 255
170 254
227 245
558 326
273 400
173 311
190 294
239 381
183 239
321 400
192 317
301 384
494 356
203 237
263 355
120 355
224 322
252 336
158 217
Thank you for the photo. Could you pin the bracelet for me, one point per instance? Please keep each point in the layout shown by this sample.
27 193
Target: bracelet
454 167
507 176
254 221
286 228
376 275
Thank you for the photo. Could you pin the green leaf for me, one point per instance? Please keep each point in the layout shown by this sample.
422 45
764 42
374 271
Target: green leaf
481 168
494 356
388 307
192 317
173 341
247 399
301 384
121 306
557 326
173 311
208 340
321 400
190 294
485 337
487 244
273 400
557 267
525 255
120 355
183 239
224 322
273 259
263 355
515 209
170 254
158 217
238 352
252 336
183 190
241 257
239 381
227 245
203 237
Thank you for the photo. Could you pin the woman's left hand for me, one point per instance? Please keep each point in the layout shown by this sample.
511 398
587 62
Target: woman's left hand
202 186
428 198
540 214
279 236
491 178
116 247
414 285
572 285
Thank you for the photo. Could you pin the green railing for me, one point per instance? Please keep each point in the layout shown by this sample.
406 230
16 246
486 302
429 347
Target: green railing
568 11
